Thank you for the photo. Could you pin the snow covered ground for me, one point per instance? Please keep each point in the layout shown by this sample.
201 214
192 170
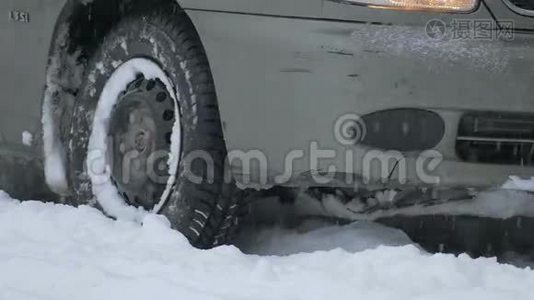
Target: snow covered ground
52 251
316 236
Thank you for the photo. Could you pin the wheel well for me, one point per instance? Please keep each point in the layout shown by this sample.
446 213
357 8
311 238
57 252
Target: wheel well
79 29
83 24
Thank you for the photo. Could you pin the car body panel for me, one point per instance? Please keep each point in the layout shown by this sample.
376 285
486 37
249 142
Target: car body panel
288 8
283 82
23 58
285 71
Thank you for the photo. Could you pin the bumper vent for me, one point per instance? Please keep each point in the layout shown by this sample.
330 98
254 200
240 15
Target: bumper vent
522 4
496 138
403 129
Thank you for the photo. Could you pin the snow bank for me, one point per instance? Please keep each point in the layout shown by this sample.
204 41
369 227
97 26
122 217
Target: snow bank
516 183
59 252
319 236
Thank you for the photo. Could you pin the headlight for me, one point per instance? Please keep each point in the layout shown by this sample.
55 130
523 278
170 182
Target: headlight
429 5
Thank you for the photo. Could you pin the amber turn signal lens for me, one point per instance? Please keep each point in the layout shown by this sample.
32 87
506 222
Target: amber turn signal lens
422 5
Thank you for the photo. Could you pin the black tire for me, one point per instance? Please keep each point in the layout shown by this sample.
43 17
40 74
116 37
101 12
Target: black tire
205 213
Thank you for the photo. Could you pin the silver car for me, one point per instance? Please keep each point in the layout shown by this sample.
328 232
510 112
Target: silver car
176 107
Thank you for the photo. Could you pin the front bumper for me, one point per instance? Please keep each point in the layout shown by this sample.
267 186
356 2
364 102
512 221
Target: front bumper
282 83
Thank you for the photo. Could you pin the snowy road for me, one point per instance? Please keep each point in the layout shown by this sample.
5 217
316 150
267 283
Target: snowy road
57 252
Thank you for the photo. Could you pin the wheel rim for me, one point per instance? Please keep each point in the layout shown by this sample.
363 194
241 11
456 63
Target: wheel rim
141 126
151 144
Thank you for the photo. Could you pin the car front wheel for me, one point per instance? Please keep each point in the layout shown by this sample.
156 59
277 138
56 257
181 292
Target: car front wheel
146 133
